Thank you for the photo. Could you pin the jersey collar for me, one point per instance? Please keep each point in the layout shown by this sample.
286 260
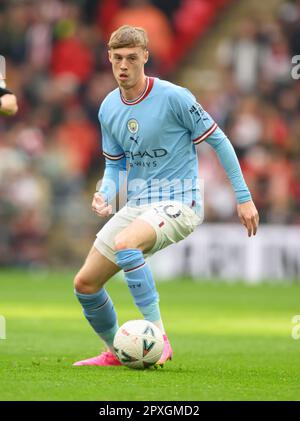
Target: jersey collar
147 90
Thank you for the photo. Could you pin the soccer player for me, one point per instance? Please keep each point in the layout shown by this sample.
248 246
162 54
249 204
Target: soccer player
8 101
153 126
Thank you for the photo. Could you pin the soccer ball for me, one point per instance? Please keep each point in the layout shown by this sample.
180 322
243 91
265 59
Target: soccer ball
138 344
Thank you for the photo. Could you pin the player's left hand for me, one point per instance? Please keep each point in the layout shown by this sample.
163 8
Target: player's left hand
249 217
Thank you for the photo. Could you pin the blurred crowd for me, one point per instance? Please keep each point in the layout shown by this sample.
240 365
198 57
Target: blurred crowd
50 153
257 102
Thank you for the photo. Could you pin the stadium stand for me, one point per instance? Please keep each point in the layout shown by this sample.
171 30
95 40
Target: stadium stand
57 66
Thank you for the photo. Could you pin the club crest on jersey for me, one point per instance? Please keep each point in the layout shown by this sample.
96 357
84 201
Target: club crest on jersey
132 126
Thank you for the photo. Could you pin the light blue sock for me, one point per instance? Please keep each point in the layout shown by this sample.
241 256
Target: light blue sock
151 311
100 312
140 282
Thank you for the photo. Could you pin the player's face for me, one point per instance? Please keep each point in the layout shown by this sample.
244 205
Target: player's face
128 65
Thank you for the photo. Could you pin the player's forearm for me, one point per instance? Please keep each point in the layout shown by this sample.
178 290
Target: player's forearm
8 102
230 163
113 178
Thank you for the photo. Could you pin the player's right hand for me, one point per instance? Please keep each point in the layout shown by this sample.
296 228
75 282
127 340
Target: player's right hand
100 206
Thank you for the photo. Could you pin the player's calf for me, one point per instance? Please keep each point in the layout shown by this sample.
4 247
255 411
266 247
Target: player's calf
141 284
96 304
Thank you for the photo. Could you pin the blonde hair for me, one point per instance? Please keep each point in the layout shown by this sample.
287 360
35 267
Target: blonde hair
128 36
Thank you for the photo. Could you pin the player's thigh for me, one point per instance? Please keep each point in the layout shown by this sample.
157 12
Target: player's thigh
96 270
138 234
172 222
105 240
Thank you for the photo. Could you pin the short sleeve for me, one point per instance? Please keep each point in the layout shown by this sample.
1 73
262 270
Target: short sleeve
191 115
110 147
4 91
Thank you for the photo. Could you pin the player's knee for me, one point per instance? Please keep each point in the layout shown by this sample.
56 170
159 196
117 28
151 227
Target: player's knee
84 285
123 243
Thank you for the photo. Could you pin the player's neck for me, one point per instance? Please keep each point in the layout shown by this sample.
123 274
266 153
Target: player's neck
135 91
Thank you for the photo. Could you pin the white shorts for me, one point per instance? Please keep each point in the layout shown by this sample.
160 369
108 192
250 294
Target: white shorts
172 222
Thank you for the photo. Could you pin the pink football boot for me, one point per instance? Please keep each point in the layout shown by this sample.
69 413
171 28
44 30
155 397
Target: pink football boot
167 352
105 359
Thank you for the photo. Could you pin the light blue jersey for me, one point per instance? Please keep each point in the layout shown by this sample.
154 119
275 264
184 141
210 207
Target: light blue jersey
155 135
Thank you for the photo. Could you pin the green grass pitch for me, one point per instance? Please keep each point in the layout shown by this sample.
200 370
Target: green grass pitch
230 342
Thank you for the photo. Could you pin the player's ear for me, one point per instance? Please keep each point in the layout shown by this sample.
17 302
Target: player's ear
146 56
109 56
